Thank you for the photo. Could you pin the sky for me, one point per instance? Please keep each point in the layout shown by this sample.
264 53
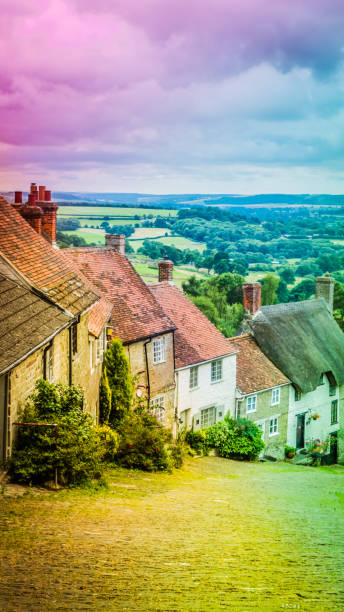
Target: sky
172 96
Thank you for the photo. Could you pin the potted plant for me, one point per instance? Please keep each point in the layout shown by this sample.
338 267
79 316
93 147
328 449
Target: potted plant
289 452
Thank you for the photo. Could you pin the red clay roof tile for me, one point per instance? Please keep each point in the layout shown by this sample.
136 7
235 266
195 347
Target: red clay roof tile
136 313
41 264
255 371
196 338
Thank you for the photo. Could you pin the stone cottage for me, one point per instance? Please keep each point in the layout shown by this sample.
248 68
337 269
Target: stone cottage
74 356
205 361
262 395
137 319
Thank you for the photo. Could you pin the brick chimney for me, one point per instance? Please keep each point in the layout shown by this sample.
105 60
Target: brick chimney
252 297
324 287
18 200
165 270
33 215
116 242
49 210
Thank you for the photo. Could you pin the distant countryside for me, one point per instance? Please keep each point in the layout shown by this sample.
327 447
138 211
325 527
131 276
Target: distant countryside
295 238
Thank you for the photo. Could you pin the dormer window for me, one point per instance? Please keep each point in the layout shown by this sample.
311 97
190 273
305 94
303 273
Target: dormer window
321 380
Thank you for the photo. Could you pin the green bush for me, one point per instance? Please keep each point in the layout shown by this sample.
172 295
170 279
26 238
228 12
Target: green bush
109 442
197 441
36 453
235 439
144 443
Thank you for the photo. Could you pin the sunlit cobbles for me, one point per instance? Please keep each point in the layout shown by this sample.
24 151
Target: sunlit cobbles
217 535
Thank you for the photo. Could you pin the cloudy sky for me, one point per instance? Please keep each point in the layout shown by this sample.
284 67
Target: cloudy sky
162 96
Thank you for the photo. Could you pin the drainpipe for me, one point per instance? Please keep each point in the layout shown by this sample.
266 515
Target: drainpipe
70 360
147 369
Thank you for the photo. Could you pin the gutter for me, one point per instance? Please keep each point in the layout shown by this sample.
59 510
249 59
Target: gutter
197 363
149 338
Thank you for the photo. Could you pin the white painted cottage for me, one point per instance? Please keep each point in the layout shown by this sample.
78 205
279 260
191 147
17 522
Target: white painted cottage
205 361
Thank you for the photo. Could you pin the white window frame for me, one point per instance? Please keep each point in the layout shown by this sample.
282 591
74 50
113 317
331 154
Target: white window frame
158 349
251 399
100 347
207 417
216 373
193 379
49 364
273 426
275 396
157 407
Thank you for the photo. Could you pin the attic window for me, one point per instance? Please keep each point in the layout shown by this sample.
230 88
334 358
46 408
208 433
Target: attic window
321 380
275 397
297 395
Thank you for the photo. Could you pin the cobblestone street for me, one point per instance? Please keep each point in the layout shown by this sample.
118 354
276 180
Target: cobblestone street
216 535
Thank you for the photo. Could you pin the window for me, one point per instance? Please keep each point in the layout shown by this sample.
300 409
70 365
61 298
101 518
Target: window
208 417
101 347
273 426
261 427
193 383
251 403
275 397
332 389
297 395
216 370
334 412
157 407
158 350
74 333
48 365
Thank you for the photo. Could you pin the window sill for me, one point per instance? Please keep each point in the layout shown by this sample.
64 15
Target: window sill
251 411
157 362
275 404
193 389
276 433
214 382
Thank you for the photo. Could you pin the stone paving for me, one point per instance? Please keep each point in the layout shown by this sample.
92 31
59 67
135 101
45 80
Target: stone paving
216 535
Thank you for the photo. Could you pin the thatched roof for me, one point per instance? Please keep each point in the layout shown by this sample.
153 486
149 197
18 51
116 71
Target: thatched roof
302 340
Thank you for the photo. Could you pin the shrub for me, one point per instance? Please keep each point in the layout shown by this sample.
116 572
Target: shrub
36 453
109 442
197 441
144 443
235 439
120 383
105 398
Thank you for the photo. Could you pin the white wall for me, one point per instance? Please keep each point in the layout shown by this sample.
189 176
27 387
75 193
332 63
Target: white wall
317 401
220 393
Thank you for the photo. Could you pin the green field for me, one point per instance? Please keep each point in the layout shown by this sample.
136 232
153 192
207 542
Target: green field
112 211
149 271
177 241
90 235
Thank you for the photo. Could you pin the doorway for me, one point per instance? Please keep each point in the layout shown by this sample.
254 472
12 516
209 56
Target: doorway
300 431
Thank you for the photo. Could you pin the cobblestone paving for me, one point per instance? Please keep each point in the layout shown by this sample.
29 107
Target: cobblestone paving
216 535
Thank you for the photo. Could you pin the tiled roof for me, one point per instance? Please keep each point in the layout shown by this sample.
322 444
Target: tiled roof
196 338
98 315
136 313
44 266
255 371
27 319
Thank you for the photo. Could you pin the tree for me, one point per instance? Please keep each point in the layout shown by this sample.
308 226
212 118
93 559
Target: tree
269 289
302 291
105 397
207 307
282 292
338 304
120 381
288 275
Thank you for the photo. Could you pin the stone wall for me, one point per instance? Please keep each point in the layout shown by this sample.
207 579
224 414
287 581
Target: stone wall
274 443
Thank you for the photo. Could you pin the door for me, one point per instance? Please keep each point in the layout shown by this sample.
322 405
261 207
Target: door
3 420
331 456
300 431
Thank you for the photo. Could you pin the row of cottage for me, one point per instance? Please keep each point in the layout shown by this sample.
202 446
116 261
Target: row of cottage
60 308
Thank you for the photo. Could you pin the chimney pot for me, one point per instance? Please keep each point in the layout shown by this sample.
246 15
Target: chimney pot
252 297
165 270
18 197
324 287
116 242
41 191
47 195
32 198
33 187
